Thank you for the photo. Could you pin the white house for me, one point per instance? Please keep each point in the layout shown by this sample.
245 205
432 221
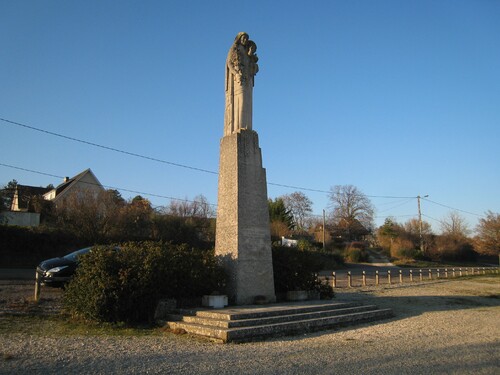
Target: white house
86 181
21 210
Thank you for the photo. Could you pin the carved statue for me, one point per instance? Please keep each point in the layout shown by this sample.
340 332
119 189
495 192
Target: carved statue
241 67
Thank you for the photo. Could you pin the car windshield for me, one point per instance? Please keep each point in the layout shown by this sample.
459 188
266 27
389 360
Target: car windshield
75 254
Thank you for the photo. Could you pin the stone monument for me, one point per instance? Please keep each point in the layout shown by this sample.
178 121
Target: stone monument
243 239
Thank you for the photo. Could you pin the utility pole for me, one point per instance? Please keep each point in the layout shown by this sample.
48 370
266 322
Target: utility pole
420 223
324 237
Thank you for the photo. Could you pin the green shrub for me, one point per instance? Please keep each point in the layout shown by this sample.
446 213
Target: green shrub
325 290
354 255
408 253
125 285
296 269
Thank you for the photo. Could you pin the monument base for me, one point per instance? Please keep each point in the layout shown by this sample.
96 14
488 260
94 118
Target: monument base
243 239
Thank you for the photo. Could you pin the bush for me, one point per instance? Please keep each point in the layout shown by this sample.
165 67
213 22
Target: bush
125 285
304 244
354 255
356 252
409 253
453 248
296 270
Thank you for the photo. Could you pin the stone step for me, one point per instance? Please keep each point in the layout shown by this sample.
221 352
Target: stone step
283 320
289 317
255 312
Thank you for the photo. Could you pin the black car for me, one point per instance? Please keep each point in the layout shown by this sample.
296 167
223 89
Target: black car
58 271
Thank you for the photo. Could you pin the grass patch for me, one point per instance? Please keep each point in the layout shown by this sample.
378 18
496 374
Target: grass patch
411 263
484 279
47 326
490 278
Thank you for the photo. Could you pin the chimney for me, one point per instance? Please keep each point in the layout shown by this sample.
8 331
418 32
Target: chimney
66 179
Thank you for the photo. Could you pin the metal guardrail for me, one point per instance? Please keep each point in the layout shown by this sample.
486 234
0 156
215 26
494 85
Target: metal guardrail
402 276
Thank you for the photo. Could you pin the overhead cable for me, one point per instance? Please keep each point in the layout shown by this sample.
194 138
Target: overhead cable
165 161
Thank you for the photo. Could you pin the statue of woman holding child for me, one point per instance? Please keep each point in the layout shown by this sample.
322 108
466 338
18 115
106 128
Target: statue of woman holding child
241 67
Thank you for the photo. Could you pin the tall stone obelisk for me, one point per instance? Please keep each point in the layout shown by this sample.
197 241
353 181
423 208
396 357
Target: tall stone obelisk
243 239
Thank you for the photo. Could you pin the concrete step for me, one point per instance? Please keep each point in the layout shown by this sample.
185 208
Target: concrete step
249 323
254 311
282 318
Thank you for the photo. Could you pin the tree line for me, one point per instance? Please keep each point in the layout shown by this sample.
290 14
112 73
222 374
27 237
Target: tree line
107 217
350 224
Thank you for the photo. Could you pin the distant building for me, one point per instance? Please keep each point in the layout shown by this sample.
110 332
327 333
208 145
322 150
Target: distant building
287 242
22 209
84 182
24 195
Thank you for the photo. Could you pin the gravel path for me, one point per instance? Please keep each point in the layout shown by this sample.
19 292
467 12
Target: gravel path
440 327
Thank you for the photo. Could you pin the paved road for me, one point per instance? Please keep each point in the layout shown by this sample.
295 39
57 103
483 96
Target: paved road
358 268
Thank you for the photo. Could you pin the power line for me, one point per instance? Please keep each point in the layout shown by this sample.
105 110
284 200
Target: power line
165 161
214 205
430 217
196 168
299 188
398 205
106 186
107 147
388 216
452 208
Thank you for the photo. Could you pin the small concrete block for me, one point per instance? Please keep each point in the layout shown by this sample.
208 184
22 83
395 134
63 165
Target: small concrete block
164 307
297 295
214 301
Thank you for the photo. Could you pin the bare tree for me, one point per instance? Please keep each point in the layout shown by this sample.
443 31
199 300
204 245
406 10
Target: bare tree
199 207
455 225
181 208
412 227
202 207
300 206
87 214
351 208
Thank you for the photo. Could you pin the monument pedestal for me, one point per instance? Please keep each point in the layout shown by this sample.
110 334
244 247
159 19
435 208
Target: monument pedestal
243 239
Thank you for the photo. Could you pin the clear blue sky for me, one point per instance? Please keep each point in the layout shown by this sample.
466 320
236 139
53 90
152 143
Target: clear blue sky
399 98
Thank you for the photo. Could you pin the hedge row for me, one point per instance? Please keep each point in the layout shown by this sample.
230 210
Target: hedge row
125 285
296 269
27 247
24 247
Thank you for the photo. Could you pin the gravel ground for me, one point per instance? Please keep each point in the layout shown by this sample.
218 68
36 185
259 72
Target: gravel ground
442 326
